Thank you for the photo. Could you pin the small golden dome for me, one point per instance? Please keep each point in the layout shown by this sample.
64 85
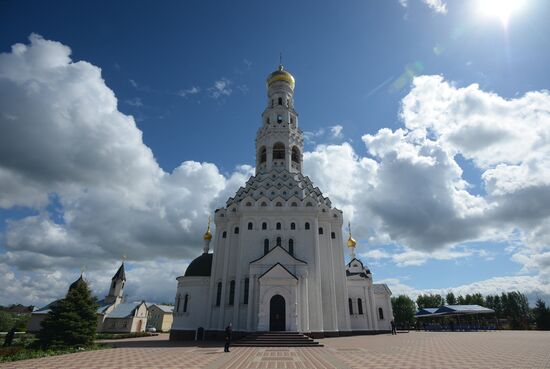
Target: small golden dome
207 235
281 75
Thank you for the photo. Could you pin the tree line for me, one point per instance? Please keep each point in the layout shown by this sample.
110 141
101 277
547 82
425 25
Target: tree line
512 307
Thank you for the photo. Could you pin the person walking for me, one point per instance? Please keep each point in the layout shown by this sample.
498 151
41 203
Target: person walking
228 331
393 330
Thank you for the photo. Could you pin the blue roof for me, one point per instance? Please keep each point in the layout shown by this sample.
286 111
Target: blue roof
454 310
426 311
464 309
123 310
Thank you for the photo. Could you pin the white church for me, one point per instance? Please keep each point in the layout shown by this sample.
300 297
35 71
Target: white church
278 254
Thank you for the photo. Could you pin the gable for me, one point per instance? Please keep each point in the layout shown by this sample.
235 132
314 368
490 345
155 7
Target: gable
277 271
278 255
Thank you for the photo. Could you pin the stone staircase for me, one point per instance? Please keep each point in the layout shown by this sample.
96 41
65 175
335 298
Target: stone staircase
277 339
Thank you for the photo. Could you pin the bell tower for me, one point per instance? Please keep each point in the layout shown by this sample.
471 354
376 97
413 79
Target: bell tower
279 141
116 289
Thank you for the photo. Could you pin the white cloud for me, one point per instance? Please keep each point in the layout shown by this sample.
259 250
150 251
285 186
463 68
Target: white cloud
190 91
220 88
336 131
532 286
136 101
438 6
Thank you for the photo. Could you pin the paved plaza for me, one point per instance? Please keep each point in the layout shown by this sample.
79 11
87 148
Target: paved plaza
506 349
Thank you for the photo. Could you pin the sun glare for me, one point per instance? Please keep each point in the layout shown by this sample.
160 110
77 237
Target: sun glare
501 9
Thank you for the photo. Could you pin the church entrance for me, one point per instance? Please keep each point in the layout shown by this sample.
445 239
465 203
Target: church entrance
277 313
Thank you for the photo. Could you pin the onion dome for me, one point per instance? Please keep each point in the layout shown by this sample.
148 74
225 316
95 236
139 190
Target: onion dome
207 235
281 75
200 267
351 242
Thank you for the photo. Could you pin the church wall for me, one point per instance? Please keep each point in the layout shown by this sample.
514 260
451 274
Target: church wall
383 301
195 316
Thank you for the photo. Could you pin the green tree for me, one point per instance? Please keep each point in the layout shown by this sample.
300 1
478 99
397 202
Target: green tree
6 321
515 307
403 310
542 315
72 321
429 301
461 300
450 298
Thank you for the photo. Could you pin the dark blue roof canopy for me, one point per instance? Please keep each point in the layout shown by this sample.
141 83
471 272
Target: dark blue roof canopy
453 310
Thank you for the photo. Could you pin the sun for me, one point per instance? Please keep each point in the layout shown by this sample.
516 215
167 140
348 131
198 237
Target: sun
501 9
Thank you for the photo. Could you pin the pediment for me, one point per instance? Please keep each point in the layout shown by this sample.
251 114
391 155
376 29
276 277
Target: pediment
277 271
278 255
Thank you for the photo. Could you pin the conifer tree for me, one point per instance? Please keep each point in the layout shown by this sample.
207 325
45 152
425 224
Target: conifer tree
72 321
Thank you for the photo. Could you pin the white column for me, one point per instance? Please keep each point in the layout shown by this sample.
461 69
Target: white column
251 301
373 309
319 307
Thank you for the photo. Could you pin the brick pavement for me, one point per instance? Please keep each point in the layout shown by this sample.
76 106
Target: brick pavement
408 350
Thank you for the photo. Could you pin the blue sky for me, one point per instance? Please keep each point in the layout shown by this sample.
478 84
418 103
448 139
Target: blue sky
192 75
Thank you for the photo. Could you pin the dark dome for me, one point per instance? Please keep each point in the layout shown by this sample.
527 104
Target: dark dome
200 267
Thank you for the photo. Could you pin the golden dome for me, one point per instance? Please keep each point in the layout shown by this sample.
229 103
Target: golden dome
281 75
351 242
207 235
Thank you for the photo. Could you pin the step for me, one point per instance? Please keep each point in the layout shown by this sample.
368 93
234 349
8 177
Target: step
277 339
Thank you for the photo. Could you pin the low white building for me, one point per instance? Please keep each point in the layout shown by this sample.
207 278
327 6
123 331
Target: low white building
278 261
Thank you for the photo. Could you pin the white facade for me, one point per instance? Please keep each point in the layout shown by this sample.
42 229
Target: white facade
278 251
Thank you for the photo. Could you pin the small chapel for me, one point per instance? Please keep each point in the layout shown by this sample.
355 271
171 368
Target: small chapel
277 261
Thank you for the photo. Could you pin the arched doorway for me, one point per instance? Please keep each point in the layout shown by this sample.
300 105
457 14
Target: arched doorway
277 313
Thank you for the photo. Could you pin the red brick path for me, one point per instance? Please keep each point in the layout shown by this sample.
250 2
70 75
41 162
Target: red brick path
407 350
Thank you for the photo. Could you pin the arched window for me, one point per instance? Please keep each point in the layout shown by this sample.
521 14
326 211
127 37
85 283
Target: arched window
272 102
350 304
263 154
185 300
250 225
295 154
279 204
178 299
294 204
266 246
248 203
360 306
380 314
267 120
236 230
224 234
279 118
292 226
219 294
278 241
309 204
320 230
291 246
278 226
280 101
278 151
306 225
264 204
246 285
332 235
231 292
264 225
